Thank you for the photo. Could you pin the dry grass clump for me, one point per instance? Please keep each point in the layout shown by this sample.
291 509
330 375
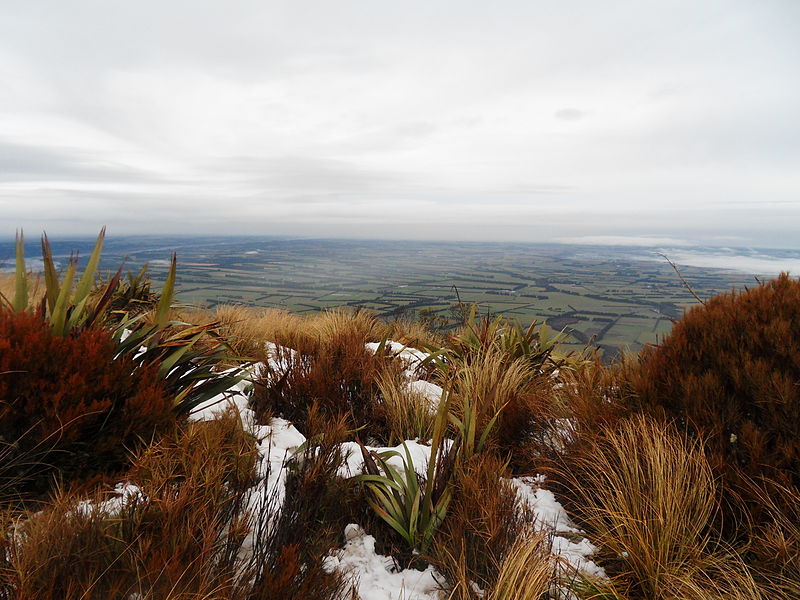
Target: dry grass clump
344 322
407 413
649 496
527 572
246 329
179 538
775 539
36 289
414 333
507 397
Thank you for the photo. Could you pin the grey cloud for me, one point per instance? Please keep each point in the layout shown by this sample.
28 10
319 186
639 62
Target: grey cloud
570 114
19 162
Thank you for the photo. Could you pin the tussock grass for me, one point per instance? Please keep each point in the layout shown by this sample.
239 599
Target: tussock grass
36 288
775 539
408 414
527 572
336 323
512 392
483 521
649 496
415 334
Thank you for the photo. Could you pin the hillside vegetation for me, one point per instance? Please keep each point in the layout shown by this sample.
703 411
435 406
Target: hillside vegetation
155 451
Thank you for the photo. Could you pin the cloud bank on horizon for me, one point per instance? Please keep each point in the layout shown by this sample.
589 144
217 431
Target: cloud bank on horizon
524 120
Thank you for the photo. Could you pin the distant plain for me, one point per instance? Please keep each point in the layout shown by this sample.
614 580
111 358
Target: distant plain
611 298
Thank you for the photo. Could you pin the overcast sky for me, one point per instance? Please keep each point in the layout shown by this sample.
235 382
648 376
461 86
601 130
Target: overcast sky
508 120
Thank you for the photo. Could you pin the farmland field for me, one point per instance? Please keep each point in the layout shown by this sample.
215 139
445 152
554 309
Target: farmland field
611 298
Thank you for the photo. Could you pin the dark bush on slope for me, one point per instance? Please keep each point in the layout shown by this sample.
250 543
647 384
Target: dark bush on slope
69 406
730 373
336 375
178 537
483 522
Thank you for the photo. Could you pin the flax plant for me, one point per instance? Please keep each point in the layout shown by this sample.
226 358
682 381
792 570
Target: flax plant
413 509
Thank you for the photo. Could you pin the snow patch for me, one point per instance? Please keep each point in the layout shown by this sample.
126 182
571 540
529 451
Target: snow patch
552 518
375 575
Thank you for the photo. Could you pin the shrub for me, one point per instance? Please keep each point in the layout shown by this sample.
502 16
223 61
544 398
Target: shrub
730 373
71 401
334 373
483 521
177 536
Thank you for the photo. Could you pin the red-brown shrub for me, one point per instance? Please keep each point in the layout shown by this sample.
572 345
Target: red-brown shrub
336 375
730 372
70 403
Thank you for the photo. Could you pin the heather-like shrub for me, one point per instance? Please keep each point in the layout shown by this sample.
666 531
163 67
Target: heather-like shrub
730 373
484 519
177 534
335 374
70 403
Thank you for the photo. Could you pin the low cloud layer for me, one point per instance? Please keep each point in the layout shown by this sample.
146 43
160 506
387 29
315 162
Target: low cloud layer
523 121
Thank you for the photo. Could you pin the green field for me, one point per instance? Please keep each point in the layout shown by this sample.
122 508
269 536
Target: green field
600 296
609 298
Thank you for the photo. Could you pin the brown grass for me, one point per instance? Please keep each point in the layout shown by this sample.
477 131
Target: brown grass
649 496
483 521
177 541
408 414
527 573
415 334
489 383
775 539
36 289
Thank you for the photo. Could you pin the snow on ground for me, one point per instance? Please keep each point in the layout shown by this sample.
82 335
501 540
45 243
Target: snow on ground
127 494
430 391
551 517
354 462
277 442
411 357
374 574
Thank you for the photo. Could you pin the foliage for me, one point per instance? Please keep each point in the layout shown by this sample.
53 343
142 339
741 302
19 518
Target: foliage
177 535
335 373
185 356
71 401
483 521
648 495
729 373
67 307
133 295
412 508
